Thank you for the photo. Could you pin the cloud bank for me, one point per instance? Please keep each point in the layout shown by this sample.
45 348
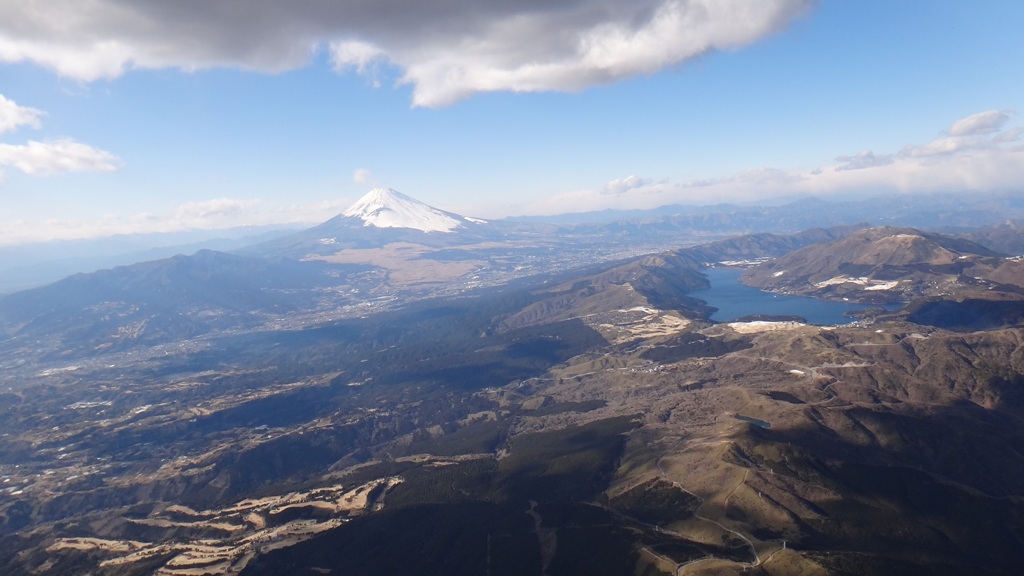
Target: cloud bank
979 153
446 49
213 214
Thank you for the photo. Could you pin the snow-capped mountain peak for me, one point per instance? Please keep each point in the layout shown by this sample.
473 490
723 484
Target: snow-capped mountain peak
387 208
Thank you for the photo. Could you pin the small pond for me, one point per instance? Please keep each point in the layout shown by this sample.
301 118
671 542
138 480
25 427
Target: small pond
754 421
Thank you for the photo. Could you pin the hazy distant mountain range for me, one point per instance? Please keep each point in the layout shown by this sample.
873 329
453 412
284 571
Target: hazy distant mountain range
29 265
33 265
928 211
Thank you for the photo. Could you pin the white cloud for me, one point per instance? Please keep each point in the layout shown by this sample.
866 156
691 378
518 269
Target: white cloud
40 158
570 48
362 176
446 49
214 209
863 159
981 123
65 155
981 131
13 116
355 54
623 185
980 153
231 212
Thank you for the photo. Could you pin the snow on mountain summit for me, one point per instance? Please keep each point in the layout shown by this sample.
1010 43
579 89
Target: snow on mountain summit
387 208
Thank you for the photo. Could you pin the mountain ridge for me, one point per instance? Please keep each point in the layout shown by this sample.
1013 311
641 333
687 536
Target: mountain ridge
943 281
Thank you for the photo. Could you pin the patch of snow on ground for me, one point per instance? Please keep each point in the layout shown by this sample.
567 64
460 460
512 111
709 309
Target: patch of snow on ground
833 281
883 286
763 326
867 283
743 263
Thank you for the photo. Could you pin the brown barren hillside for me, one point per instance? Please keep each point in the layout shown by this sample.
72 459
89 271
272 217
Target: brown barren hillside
879 265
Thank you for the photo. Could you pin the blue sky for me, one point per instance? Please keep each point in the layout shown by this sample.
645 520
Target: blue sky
159 117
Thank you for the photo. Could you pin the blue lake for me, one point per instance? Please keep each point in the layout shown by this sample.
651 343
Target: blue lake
735 300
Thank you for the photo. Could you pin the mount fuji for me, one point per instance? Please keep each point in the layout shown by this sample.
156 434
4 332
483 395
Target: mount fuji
387 208
381 217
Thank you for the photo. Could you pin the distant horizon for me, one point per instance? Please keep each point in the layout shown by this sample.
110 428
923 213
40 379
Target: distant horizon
205 234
